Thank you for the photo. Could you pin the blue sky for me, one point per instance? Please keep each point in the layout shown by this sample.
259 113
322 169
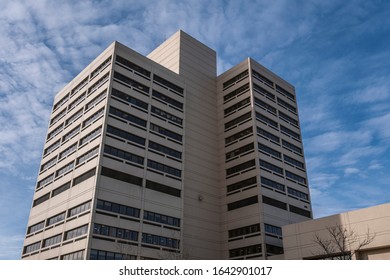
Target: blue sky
336 53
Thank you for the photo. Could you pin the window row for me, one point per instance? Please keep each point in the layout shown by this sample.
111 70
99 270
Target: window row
51 162
272 184
76 232
94 117
271 167
125 135
164 168
92 135
262 79
290 133
274 250
87 155
243 118
133 84
236 107
265 105
267 135
267 121
100 68
291 147
267 150
267 183
238 136
121 176
77 101
57 117
244 230
165 115
115 232
160 240
239 151
285 92
286 105
69 150
131 179
99 83
128 99
79 255
61 102
141 122
295 177
263 92
54 132
236 93
168 85
146 74
271 137
273 230
81 85
251 182
288 118
164 149
160 218
123 155
291 120
273 110
242 203
60 217
167 100
132 66
68 167
65 169
70 135
294 162
74 117
56 239
241 167
105 255
166 132
243 251
162 188
118 208
271 84
235 79
283 205
73 132
127 117
276 169
274 202
64 187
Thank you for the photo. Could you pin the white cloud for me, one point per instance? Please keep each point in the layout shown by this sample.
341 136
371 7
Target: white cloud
372 94
334 140
375 165
381 126
351 170
323 181
11 246
352 156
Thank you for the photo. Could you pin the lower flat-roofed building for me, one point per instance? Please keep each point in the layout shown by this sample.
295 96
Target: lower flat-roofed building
157 157
301 240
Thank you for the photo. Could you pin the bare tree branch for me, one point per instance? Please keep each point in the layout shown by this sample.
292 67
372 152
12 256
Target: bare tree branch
342 243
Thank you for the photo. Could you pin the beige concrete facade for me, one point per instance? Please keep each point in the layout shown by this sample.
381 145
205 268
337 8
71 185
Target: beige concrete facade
157 157
298 239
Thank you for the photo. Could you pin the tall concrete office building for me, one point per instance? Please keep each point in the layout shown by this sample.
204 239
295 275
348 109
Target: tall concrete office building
157 157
